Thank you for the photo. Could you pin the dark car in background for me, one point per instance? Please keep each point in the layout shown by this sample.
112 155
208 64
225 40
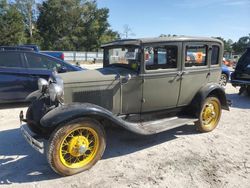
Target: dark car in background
20 68
241 75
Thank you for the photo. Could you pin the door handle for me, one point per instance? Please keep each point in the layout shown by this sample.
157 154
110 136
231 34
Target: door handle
208 74
181 73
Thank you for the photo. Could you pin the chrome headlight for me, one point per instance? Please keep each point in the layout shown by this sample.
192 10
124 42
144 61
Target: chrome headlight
56 92
42 84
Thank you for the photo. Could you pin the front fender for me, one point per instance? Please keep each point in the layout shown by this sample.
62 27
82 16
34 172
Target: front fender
211 89
33 96
65 113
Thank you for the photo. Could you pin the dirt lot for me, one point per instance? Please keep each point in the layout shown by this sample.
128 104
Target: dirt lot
177 158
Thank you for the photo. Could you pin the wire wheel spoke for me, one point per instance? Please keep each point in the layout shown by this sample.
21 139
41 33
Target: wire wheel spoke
79 147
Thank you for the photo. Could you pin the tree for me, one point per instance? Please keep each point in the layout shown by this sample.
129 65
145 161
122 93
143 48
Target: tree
127 32
27 8
241 45
168 35
73 25
227 44
12 28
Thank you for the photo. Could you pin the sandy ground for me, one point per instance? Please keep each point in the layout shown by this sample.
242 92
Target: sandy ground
180 157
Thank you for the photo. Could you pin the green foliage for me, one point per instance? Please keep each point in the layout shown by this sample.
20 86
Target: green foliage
227 44
241 45
73 25
12 28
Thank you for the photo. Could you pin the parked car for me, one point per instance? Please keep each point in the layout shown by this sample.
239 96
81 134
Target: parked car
225 75
241 75
137 90
57 54
20 69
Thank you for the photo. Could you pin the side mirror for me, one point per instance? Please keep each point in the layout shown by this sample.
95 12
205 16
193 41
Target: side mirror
62 69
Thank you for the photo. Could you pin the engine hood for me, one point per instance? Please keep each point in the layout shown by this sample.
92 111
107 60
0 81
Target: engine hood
101 87
102 74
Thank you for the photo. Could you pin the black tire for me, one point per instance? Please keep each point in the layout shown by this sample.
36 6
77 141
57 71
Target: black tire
223 80
64 165
209 116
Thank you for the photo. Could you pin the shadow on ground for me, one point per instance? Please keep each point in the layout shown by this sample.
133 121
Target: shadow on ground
17 156
239 101
14 105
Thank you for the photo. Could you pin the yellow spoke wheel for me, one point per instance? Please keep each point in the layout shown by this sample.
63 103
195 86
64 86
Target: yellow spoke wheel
209 115
79 147
76 146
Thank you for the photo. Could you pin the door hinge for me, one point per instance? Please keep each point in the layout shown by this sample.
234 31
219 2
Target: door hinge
143 100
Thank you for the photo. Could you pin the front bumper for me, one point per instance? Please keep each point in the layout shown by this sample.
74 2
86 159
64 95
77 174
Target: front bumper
33 139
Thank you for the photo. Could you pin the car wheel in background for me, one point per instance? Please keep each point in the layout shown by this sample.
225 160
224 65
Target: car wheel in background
223 80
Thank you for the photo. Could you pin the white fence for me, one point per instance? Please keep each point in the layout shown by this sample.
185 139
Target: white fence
83 56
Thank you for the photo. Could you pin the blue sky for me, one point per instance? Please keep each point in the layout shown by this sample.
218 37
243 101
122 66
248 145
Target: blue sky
229 19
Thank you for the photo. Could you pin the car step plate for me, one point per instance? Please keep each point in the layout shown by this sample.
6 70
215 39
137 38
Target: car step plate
166 124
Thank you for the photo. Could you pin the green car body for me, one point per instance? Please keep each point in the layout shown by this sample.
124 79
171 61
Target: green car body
146 86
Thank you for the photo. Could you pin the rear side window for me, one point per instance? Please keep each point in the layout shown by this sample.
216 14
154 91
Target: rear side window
196 55
215 55
37 61
10 60
164 57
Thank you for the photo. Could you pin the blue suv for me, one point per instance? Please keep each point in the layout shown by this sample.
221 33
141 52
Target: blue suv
20 69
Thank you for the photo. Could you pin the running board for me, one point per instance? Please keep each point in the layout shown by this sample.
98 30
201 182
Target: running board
166 124
156 126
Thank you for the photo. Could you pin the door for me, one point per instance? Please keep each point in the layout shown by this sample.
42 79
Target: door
13 77
38 66
161 80
195 70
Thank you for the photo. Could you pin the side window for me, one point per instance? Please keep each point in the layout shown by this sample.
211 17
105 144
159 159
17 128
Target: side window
36 61
196 55
215 55
10 60
164 57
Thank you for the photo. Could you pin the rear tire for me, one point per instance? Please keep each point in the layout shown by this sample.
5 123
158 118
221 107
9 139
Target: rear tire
76 146
210 114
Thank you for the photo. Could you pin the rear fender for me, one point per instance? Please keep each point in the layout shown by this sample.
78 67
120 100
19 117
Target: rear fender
211 89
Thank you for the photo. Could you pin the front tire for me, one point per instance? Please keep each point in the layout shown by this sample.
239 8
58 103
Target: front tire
210 114
76 146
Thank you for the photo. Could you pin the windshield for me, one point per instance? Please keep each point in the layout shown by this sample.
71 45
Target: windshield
123 56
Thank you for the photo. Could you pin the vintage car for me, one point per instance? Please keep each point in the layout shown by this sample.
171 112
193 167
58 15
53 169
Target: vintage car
145 86
241 75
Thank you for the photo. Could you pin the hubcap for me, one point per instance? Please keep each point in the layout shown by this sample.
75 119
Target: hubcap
79 147
210 114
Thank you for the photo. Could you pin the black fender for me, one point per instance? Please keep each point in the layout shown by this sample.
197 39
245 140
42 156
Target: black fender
33 96
210 89
65 113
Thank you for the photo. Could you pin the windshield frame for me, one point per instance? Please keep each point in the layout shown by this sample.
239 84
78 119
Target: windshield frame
106 62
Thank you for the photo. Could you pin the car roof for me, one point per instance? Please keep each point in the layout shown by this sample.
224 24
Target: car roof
140 41
15 48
